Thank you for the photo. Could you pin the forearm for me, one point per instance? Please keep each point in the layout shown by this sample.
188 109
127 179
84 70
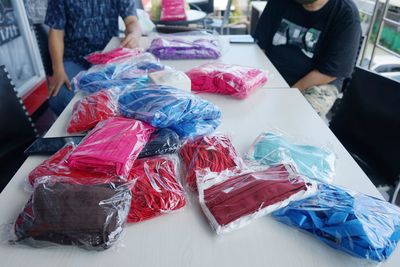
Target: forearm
56 49
132 26
313 78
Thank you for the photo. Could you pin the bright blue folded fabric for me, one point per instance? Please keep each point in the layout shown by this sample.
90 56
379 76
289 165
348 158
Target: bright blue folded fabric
167 107
311 161
358 224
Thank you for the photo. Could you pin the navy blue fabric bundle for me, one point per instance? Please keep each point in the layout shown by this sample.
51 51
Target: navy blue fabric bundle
167 107
358 224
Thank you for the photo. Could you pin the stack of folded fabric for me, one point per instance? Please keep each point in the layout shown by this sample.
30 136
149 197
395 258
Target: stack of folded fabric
173 10
185 49
161 142
119 53
237 81
358 224
111 147
214 152
231 201
167 107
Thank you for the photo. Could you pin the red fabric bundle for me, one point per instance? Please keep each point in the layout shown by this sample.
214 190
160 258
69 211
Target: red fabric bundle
231 201
237 81
172 10
111 147
92 109
114 55
156 190
215 152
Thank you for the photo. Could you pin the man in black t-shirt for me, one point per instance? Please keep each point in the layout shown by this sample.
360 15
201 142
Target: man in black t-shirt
313 44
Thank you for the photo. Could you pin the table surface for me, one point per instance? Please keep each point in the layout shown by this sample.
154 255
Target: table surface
192 16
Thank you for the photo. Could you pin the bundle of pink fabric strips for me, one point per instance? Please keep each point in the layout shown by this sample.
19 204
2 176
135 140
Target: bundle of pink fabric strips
111 147
237 81
114 55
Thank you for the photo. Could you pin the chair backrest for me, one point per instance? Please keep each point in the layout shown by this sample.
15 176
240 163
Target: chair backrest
367 122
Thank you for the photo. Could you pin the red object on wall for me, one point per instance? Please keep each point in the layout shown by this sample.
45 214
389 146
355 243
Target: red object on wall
36 97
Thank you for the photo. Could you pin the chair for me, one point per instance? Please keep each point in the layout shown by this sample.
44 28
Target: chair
367 122
219 24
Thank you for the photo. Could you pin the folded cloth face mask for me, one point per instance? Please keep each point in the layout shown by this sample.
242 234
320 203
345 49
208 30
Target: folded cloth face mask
119 53
311 161
59 212
173 10
237 81
355 223
231 201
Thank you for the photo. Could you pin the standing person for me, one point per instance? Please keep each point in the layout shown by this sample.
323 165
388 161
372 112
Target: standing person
78 28
313 44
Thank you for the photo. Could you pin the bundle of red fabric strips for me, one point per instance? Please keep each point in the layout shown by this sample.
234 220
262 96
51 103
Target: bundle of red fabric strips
237 81
215 152
114 55
157 190
92 109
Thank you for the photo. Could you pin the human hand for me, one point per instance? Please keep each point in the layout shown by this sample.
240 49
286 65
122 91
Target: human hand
130 41
56 81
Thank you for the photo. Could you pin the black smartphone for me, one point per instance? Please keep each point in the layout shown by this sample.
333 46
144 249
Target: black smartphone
49 146
243 39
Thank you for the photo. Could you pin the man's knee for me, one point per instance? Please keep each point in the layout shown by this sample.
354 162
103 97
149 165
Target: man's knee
321 97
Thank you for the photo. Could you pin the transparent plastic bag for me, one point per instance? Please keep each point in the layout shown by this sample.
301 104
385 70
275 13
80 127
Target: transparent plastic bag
157 190
363 226
173 10
204 48
231 200
311 161
117 54
173 78
235 80
161 142
63 212
111 147
215 152
92 109
167 107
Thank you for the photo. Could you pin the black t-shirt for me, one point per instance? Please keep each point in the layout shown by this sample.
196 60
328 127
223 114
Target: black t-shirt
298 41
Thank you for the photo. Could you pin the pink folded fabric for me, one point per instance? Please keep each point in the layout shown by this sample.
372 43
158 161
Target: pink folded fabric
114 55
237 81
111 147
172 10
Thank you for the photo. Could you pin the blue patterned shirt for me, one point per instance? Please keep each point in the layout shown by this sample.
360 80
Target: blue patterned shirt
88 24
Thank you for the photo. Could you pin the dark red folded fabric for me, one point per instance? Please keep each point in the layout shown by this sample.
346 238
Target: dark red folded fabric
157 190
92 109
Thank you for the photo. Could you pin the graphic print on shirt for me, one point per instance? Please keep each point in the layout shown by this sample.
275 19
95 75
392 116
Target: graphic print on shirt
290 33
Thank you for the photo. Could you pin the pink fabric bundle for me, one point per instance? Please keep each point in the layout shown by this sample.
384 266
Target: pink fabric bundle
114 55
111 147
172 10
237 81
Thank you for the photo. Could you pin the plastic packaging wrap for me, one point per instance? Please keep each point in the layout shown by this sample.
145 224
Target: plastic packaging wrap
59 212
173 78
167 107
161 142
358 224
185 49
92 109
120 75
173 10
215 152
237 81
157 190
231 201
111 147
311 161
119 53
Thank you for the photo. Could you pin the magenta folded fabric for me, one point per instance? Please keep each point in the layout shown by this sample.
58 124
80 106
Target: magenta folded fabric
111 147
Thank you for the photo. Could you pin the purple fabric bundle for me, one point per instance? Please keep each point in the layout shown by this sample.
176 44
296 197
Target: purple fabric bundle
185 49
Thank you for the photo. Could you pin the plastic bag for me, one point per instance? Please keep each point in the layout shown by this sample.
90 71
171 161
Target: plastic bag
173 78
237 81
358 224
185 49
92 109
111 147
173 10
311 161
161 142
168 107
120 74
231 201
60 212
119 53
215 152
157 190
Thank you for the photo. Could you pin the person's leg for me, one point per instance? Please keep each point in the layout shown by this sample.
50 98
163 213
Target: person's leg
321 98
61 100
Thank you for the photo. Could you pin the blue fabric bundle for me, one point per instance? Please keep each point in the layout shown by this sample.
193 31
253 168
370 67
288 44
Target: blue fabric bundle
358 224
167 107
311 161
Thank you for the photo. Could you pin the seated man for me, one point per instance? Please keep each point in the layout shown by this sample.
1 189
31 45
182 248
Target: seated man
78 28
313 44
